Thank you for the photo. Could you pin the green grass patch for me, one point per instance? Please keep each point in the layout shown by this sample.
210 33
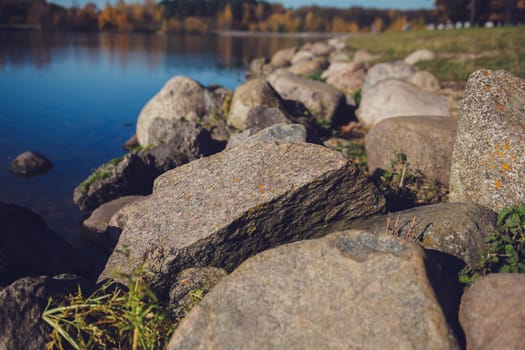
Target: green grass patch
503 48
98 175
505 251
317 76
110 318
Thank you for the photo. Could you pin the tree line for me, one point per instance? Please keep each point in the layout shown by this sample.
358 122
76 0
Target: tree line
250 15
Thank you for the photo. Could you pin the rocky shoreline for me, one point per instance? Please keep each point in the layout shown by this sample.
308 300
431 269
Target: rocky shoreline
286 187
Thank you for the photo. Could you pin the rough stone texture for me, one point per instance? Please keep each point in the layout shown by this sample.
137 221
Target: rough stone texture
397 98
302 56
185 138
180 98
458 229
389 70
262 117
129 176
190 286
30 164
99 218
23 302
347 77
492 312
220 210
283 58
307 68
425 80
349 290
29 248
278 133
323 101
427 142
419 56
252 94
488 164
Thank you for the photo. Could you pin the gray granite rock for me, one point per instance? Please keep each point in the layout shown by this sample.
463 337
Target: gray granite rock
97 223
488 163
179 99
30 164
252 94
21 325
262 117
278 133
220 210
492 312
398 98
349 290
458 229
323 102
346 76
117 178
388 70
427 141
190 286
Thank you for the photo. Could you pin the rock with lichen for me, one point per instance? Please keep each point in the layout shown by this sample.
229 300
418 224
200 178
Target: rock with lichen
488 162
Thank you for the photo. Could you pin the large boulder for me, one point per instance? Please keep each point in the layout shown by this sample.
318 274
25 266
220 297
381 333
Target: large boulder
427 142
388 70
323 102
23 302
349 290
252 94
346 76
220 210
488 163
419 56
458 229
179 99
29 248
492 312
30 164
397 98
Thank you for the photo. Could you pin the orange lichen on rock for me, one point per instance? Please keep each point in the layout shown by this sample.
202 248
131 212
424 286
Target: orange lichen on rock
498 184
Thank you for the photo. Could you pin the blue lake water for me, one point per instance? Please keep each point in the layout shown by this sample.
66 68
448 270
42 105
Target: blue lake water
75 98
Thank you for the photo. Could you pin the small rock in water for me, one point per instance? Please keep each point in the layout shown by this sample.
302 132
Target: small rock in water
30 164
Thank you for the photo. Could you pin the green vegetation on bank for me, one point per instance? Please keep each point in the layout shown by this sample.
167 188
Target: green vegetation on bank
459 52
110 318
505 251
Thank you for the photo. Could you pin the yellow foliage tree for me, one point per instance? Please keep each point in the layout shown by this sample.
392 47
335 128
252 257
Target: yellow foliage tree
225 17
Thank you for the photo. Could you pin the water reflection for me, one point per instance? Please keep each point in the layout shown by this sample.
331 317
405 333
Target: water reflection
41 49
69 97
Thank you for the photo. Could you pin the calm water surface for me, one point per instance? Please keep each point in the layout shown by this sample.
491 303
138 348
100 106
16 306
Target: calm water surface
75 98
